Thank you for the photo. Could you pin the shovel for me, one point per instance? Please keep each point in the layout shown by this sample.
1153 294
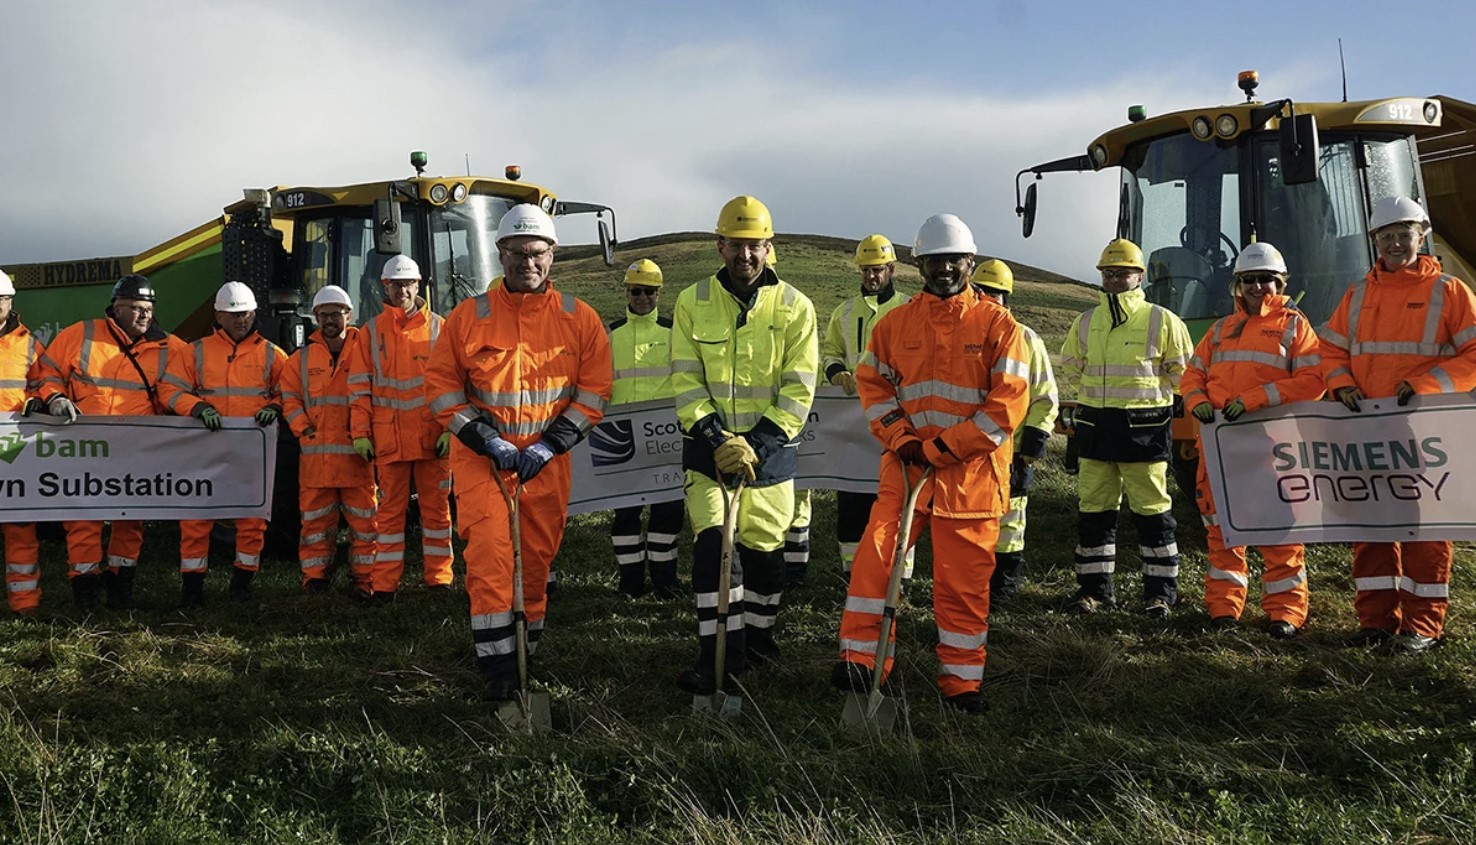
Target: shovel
874 711
721 703
530 712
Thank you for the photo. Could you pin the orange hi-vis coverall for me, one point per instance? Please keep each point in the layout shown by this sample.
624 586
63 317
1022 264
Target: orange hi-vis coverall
953 373
20 356
1416 325
332 478
1264 360
388 405
237 379
536 366
89 363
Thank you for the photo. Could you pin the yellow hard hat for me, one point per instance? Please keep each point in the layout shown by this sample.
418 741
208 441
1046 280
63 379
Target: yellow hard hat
874 251
644 272
995 274
745 217
1122 253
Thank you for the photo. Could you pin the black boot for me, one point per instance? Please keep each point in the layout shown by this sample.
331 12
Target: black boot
241 584
84 590
191 590
632 580
850 677
119 584
664 581
761 648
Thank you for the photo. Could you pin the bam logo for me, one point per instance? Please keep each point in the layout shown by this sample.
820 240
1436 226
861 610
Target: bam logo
11 445
612 443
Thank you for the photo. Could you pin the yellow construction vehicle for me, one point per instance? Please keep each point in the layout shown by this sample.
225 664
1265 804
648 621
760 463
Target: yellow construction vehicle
1198 184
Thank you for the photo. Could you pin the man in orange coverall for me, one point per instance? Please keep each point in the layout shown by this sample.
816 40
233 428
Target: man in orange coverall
1262 356
20 352
1405 328
109 367
522 374
393 429
944 383
232 372
332 478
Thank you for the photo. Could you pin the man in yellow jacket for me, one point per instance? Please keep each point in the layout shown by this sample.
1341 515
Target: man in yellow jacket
394 430
1123 359
641 345
743 366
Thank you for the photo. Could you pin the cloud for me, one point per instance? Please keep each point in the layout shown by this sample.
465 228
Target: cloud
141 120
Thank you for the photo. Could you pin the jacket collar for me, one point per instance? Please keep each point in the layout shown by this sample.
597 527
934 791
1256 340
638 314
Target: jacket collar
1426 267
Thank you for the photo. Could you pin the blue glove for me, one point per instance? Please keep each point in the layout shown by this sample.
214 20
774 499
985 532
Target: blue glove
531 461
502 453
481 437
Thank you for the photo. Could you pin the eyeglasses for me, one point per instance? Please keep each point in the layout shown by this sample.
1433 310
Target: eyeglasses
643 291
946 260
331 315
401 283
755 247
1406 235
1270 279
512 257
1120 274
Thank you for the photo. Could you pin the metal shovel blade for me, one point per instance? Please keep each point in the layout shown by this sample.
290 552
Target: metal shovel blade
719 703
872 713
529 714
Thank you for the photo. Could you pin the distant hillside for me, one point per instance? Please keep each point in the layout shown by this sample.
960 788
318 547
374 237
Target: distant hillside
821 266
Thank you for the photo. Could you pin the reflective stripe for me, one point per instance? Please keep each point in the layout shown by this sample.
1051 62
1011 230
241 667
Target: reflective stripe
1443 379
1273 395
22 586
629 558
704 600
1376 582
1271 588
115 560
954 639
875 607
1225 575
392 538
1106 568
758 620
1424 591
488 621
1012 367
1428 350
313 539
310 563
361 513
505 645
1091 391
642 372
388 557
192 564
1154 570
990 428
1097 551
20 568
761 599
859 646
1246 356
1170 550
314 449
881 409
940 390
708 627
958 670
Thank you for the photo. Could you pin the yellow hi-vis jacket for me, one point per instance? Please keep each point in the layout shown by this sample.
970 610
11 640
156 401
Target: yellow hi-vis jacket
744 367
849 331
1040 416
641 348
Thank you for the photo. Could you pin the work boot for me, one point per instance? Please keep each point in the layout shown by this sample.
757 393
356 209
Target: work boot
700 682
438 588
84 590
500 688
1085 604
1280 629
192 589
380 598
794 575
848 676
119 585
761 648
664 583
1157 608
1369 638
316 586
972 703
240 588
1224 623
632 583
1413 643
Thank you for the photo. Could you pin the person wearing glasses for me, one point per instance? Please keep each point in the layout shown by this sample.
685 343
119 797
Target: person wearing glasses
1263 355
1404 329
1123 359
641 345
744 360
113 366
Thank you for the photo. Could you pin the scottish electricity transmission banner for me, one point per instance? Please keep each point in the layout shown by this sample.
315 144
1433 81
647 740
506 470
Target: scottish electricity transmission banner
134 468
1315 472
634 456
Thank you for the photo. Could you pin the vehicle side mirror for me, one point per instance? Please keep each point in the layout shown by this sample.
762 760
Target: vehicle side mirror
1299 150
1027 215
607 243
387 227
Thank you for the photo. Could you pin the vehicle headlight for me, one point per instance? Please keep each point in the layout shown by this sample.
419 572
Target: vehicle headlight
1226 125
438 193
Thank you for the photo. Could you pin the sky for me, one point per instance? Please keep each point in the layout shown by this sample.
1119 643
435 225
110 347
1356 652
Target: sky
125 124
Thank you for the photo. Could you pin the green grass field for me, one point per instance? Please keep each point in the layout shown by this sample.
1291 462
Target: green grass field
313 720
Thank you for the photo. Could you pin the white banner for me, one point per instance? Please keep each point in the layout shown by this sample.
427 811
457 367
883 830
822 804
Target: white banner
634 456
134 468
1315 472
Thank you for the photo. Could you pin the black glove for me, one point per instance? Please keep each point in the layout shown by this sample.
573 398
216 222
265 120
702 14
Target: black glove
31 406
1404 393
1350 397
912 454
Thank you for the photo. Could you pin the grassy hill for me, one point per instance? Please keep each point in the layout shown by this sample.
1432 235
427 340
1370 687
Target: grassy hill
313 720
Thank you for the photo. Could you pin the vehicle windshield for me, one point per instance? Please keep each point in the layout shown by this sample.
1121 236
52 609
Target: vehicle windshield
464 246
1183 206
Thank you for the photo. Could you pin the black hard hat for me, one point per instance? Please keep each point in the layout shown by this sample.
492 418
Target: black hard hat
134 286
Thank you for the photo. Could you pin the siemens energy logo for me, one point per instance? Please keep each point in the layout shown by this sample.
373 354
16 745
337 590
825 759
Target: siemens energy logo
612 443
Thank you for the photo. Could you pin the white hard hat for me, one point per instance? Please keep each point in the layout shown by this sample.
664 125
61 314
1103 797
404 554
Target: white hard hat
399 268
332 295
234 298
944 234
526 219
7 287
1391 210
1260 258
